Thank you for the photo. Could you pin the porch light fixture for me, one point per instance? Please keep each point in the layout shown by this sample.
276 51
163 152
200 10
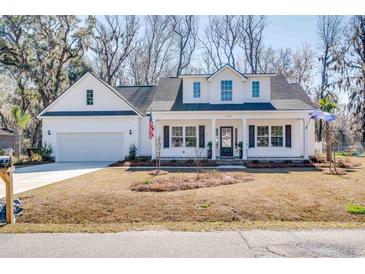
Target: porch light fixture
49 132
130 132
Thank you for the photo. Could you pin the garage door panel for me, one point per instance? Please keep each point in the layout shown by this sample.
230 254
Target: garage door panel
90 146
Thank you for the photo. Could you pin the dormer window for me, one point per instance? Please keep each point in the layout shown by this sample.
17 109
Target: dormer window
255 89
89 97
196 89
226 90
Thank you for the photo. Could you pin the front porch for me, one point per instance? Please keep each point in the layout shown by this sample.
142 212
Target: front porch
265 137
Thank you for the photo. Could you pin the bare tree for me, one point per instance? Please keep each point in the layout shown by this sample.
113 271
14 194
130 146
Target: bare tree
221 40
112 44
351 63
152 55
284 62
329 32
303 62
186 31
267 60
251 39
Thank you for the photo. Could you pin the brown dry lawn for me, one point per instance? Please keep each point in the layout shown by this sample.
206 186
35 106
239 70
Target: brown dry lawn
290 194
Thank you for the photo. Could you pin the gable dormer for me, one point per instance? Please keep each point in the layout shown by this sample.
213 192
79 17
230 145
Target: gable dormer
226 86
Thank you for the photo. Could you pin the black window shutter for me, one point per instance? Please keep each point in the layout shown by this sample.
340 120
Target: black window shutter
202 136
251 136
166 136
288 135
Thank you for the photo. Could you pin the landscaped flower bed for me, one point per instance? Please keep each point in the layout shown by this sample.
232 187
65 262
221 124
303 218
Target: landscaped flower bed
144 162
184 181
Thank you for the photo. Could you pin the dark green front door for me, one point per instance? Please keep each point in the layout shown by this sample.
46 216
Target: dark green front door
226 142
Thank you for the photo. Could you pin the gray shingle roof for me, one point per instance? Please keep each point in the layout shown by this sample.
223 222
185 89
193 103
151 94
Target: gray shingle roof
139 96
285 96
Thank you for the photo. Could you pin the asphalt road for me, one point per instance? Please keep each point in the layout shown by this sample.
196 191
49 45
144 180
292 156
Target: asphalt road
255 243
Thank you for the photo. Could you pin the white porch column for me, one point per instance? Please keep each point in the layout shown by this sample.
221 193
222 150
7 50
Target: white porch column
213 140
154 141
244 139
305 138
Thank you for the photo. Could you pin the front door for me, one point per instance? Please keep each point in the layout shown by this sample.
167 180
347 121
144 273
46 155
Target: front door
226 141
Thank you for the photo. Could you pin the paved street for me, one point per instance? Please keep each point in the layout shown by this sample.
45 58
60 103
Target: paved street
26 178
256 243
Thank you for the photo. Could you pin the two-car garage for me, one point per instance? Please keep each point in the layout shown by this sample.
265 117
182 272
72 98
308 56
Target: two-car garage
90 146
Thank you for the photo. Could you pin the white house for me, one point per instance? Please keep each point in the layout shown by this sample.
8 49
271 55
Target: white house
92 121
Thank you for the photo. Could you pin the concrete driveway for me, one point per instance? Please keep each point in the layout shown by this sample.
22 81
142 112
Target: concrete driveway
27 178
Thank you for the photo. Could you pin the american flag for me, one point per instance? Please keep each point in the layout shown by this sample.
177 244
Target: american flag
151 128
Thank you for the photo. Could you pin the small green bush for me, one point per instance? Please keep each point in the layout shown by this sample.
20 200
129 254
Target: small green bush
132 152
46 152
147 181
355 209
204 205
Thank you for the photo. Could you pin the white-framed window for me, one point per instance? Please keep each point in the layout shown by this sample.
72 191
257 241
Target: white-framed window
190 137
177 137
255 89
262 136
89 97
226 90
277 136
196 89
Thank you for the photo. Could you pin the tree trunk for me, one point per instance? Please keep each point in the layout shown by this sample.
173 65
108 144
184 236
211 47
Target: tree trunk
328 141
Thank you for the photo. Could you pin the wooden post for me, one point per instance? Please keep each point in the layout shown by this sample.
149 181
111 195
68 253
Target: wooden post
6 174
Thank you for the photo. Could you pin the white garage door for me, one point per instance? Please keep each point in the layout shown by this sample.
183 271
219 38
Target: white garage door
89 147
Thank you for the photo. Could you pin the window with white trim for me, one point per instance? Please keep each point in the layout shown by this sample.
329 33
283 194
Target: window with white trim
226 90
196 89
177 137
190 137
262 136
89 97
255 89
277 136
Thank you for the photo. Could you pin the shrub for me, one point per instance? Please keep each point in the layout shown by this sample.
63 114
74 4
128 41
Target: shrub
355 209
132 152
147 181
209 145
45 152
204 205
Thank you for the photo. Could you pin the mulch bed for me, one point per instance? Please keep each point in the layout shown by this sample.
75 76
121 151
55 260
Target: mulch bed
191 181
127 163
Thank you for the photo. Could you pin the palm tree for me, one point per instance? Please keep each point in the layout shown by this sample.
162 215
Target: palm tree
328 106
21 120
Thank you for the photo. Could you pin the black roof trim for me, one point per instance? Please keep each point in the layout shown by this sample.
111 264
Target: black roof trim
89 113
223 107
138 86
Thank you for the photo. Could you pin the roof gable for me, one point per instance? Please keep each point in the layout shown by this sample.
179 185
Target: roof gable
230 68
106 98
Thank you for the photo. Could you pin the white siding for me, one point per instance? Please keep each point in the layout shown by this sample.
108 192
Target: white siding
91 125
188 90
214 88
265 96
145 144
296 150
210 91
180 152
74 98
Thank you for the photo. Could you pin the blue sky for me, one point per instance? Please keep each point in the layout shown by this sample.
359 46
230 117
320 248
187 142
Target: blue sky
290 31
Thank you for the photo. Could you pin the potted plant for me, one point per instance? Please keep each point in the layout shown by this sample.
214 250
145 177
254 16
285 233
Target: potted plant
209 146
240 145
